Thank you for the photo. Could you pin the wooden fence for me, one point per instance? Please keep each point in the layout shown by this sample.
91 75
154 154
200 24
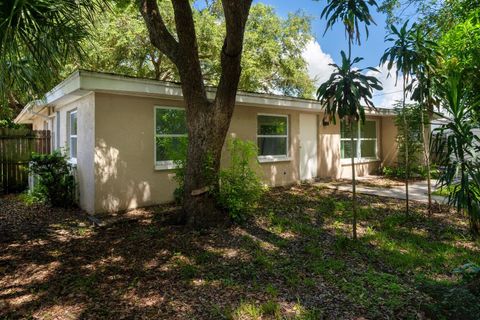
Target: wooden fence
16 147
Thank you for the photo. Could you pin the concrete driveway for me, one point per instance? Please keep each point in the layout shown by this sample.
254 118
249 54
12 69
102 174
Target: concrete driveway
417 190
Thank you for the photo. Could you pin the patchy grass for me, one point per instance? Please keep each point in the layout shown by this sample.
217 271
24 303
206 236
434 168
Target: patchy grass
293 260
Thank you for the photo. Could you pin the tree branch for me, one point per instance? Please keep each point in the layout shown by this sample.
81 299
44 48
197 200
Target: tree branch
189 66
160 37
236 15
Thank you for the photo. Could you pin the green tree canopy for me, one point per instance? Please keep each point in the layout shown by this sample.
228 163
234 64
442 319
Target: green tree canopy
272 61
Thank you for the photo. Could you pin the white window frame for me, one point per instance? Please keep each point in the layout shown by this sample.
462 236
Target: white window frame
358 156
70 135
274 158
164 164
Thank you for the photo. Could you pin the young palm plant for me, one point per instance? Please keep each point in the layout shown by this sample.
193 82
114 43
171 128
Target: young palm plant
347 93
457 147
347 88
402 53
350 13
428 55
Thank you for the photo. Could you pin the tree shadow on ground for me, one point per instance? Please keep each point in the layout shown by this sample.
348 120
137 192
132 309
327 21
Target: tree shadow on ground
289 260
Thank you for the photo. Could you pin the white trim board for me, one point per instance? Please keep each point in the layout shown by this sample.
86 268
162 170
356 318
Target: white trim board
82 82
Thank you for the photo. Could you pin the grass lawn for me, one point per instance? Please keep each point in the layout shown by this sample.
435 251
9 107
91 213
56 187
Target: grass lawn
293 260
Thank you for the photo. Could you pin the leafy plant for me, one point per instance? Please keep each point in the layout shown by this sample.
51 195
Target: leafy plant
348 91
402 53
36 37
346 94
425 70
409 137
56 182
468 271
400 172
8 123
240 187
457 147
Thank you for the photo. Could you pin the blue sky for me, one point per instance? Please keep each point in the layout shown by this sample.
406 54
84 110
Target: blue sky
334 40
326 48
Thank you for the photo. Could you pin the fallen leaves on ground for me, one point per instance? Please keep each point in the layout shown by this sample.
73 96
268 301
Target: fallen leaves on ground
292 260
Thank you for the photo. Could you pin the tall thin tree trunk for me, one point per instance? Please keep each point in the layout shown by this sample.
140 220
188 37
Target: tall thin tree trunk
406 139
426 154
354 191
354 182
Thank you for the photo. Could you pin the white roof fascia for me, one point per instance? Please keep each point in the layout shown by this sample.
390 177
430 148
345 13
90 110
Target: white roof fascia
82 82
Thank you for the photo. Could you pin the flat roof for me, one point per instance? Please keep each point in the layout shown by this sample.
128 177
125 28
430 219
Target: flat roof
82 82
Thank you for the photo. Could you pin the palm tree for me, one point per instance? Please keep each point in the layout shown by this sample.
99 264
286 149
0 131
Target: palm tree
344 92
347 104
36 38
343 95
403 54
350 13
428 55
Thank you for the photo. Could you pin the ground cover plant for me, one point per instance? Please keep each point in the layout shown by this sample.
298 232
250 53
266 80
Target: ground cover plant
293 260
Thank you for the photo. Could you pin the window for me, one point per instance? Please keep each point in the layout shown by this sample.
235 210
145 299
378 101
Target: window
72 135
272 136
170 135
364 143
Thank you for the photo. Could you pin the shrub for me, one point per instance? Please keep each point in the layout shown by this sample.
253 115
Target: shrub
240 187
56 183
400 172
178 153
31 197
409 135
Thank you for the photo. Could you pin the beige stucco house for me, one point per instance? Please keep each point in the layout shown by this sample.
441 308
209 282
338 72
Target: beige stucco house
113 127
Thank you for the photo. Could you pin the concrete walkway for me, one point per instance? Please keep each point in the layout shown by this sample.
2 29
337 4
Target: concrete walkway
417 190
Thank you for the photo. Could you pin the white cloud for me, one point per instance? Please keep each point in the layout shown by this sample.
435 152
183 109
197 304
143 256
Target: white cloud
391 93
318 68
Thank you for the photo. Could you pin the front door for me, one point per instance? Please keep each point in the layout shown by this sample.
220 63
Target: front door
308 146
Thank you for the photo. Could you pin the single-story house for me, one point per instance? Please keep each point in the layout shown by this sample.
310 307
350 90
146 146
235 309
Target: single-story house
112 127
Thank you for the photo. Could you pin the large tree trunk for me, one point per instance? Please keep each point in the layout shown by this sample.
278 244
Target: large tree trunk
207 121
204 154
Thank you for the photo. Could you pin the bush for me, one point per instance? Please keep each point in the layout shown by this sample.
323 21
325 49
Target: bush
410 135
56 183
400 172
240 187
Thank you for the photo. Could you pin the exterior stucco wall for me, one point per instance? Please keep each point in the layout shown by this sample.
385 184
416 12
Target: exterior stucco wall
244 126
85 107
388 139
85 146
125 174
329 150
124 168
